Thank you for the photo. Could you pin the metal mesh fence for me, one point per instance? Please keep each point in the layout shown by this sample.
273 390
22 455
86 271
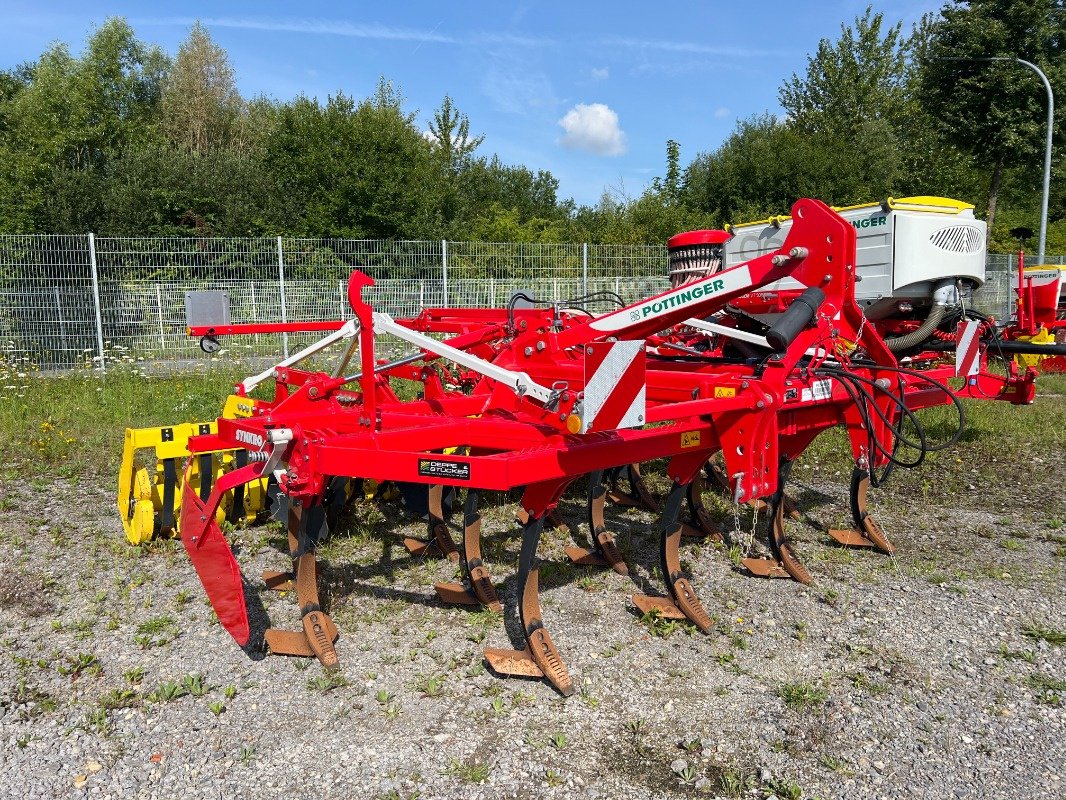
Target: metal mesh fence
72 301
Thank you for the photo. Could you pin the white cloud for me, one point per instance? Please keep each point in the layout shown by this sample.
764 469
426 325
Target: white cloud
721 112
594 129
599 74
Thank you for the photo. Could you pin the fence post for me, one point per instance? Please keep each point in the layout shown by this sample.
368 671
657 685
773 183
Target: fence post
96 301
62 323
281 294
159 305
444 269
584 268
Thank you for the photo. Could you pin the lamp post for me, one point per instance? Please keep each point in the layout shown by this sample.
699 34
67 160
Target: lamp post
1047 148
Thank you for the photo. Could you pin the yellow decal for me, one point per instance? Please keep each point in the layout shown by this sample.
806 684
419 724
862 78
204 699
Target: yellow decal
690 439
725 391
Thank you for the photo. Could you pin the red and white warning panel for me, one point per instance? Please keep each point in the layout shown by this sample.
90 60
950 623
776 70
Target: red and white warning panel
967 348
615 386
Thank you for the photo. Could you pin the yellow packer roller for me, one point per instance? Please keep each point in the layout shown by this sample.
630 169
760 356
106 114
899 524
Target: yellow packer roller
149 497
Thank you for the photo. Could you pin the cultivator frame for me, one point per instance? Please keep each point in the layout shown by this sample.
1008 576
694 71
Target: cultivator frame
523 417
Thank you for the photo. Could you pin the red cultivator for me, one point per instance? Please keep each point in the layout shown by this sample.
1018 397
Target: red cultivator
538 397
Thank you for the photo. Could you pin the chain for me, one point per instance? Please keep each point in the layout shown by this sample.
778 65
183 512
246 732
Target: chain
737 532
754 525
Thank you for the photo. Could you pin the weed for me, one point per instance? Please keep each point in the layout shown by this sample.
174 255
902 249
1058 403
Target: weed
663 628
1029 656
636 727
431 686
803 695
133 675
217 707
783 789
497 705
558 740
247 754
383 696
1049 635
326 682
98 720
168 691
75 665
834 764
1049 691
156 632
119 698
195 684
468 771
553 779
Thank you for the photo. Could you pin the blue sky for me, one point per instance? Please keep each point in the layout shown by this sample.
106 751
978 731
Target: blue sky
590 91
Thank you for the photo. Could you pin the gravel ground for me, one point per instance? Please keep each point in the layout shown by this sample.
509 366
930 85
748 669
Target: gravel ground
937 674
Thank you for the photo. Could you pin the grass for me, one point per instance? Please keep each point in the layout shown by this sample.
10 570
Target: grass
803 696
469 771
66 424
1049 635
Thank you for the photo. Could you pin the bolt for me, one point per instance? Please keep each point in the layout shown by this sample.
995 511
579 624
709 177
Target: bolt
562 417
744 384
640 417
312 392
588 351
527 352
541 346
798 252
827 278
760 404
779 261
882 383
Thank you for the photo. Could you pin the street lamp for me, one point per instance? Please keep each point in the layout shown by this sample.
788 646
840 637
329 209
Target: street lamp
1047 148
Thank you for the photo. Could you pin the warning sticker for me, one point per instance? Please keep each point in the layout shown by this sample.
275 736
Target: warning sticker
452 470
690 439
820 390
725 391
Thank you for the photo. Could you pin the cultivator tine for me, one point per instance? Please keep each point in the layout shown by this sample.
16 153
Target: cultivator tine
700 525
539 658
284 581
784 563
319 633
477 587
685 602
637 496
867 532
604 552
551 520
440 542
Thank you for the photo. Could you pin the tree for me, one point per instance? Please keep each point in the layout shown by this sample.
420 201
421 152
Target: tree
351 169
449 133
202 108
852 82
68 119
993 110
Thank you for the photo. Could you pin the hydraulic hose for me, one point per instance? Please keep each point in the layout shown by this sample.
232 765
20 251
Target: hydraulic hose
924 331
